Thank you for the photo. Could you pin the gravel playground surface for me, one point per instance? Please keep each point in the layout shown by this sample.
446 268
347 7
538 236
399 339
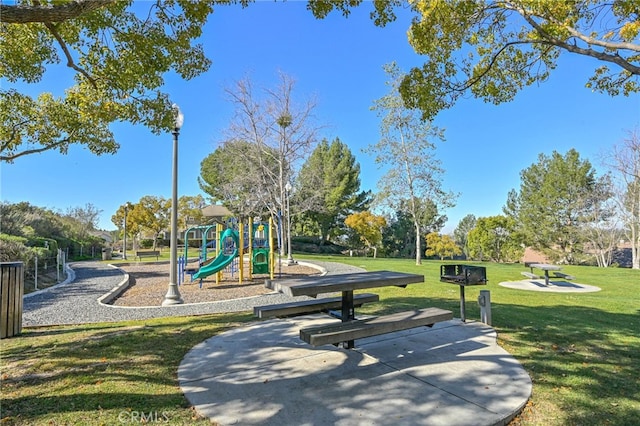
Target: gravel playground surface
77 301
148 285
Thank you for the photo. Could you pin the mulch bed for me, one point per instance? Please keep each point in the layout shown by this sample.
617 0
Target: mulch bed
148 284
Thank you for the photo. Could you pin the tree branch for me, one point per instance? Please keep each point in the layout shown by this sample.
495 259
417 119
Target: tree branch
11 158
23 14
492 62
54 31
616 59
604 44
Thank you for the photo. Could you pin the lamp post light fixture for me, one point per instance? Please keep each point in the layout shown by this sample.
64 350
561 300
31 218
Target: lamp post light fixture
173 294
290 260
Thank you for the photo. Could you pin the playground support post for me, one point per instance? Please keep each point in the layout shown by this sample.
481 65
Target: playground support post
250 237
241 251
173 296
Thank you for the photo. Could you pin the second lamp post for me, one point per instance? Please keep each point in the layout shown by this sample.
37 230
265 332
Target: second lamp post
173 296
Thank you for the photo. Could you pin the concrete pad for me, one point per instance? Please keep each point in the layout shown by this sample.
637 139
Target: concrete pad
451 374
553 287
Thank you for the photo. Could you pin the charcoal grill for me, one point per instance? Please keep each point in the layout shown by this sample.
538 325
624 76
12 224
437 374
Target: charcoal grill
463 275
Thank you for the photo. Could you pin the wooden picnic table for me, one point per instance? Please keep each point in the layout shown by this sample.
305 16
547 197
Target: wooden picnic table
346 284
546 268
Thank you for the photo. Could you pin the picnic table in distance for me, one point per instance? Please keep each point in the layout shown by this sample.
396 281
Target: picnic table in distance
546 268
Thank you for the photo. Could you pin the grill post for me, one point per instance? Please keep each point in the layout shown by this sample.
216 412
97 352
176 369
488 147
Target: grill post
484 300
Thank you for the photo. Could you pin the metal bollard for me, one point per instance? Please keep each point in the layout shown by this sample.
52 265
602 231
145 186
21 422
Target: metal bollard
484 300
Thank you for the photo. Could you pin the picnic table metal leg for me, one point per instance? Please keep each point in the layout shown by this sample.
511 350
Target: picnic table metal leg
546 277
348 314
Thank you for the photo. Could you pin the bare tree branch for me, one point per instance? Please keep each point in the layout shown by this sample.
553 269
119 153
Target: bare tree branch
65 49
12 157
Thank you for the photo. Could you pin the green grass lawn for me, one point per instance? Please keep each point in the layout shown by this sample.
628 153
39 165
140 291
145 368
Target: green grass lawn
582 351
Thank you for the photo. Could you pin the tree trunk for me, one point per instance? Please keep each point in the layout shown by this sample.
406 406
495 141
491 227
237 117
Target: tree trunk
635 253
418 251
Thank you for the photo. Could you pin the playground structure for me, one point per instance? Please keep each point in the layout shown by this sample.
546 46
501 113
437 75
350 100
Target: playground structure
232 241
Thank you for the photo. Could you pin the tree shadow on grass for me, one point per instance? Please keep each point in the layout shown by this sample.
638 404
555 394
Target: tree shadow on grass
120 368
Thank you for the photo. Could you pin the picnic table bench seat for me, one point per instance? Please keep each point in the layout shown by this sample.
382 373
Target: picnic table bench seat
147 253
530 275
310 306
358 329
563 276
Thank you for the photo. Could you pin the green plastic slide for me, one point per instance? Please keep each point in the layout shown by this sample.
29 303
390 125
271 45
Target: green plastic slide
224 258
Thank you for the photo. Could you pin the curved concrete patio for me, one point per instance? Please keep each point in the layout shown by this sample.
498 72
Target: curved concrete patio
263 374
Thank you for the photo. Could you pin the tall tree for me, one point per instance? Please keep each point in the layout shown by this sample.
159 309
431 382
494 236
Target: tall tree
441 246
86 218
413 179
461 233
224 177
495 238
329 187
601 228
118 219
117 52
398 238
557 194
369 227
190 210
151 213
624 161
280 130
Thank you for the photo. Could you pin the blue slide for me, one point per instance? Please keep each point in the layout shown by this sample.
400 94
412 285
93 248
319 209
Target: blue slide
229 241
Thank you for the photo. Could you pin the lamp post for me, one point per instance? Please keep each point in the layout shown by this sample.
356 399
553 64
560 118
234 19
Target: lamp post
283 121
124 244
290 260
173 294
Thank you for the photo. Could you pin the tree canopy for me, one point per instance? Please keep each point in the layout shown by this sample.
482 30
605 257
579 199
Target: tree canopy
495 238
441 246
224 177
461 233
118 53
280 131
492 49
368 226
329 186
557 195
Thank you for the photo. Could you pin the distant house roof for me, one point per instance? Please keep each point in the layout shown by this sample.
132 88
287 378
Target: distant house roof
215 211
105 235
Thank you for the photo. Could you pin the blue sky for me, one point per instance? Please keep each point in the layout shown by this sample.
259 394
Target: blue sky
339 61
